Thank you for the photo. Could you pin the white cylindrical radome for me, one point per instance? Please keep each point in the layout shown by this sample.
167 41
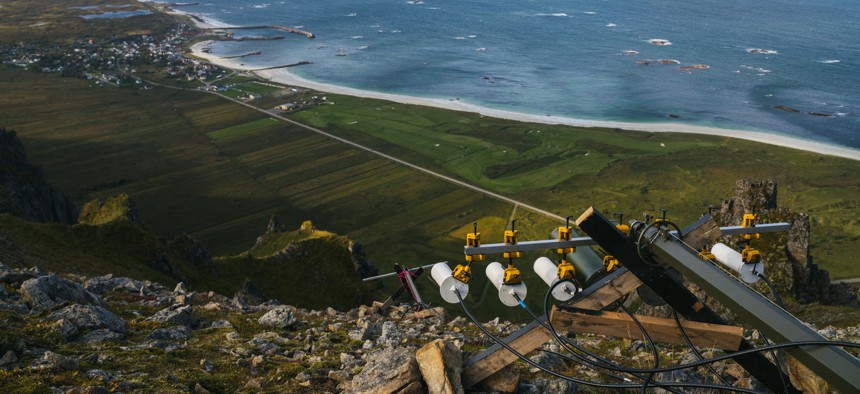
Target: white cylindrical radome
448 285
496 275
548 271
733 260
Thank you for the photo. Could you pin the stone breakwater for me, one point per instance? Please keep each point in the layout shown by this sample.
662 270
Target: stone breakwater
277 27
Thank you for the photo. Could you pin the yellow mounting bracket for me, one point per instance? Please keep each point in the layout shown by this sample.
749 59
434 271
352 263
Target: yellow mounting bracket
706 254
473 240
611 263
564 235
512 276
463 273
750 255
625 229
511 239
749 221
566 271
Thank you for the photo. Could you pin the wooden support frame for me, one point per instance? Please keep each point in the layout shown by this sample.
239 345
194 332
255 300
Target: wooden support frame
532 336
571 319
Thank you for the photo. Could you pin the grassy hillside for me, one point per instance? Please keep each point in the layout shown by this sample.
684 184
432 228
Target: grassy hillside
118 247
223 169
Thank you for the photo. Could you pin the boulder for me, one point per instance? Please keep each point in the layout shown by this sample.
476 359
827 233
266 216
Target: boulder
54 361
46 291
441 364
8 359
8 275
100 284
390 370
547 360
77 318
100 335
548 386
804 378
391 334
176 314
281 317
248 295
176 333
505 381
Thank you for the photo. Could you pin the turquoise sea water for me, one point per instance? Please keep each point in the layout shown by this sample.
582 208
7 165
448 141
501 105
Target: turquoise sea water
765 59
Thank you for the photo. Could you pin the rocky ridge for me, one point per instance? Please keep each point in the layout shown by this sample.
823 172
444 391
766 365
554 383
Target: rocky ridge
23 189
73 334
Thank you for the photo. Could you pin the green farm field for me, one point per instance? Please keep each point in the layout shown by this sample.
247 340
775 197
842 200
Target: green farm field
198 164
566 169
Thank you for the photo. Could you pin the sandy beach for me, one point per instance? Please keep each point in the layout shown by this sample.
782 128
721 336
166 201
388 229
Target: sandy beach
284 76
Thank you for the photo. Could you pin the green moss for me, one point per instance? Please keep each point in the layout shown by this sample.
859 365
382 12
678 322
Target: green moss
97 212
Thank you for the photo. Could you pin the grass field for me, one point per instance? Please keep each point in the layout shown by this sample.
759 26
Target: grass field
566 169
201 165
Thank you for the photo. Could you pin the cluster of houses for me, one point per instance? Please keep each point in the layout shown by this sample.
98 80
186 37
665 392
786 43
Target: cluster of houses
113 62
302 103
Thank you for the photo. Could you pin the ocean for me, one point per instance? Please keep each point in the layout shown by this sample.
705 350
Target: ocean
788 67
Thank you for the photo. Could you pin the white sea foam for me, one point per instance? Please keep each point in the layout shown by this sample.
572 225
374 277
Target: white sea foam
480 49
590 13
459 38
352 14
263 5
471 36
395 31
831 61
611 25
357 37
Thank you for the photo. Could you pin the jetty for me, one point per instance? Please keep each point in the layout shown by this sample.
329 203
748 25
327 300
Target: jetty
259 38
303 62
277 27
244 55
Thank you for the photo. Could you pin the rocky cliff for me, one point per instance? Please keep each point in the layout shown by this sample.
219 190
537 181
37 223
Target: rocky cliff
788 260
23 189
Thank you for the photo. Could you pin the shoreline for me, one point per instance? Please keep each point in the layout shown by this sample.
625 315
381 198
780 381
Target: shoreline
285 77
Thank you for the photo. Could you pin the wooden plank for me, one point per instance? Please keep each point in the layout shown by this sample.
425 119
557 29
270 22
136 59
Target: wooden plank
705 232
533 335
614 324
